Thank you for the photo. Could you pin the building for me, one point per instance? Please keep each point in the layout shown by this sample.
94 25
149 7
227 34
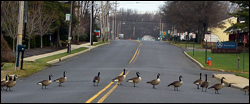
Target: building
223 36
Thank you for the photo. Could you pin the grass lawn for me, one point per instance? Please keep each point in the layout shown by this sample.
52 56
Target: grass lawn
184 44
227 62
30 68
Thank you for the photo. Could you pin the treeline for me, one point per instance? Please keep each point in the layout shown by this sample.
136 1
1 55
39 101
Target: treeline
46 25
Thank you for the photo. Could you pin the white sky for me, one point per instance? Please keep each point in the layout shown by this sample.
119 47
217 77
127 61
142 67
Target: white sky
140 6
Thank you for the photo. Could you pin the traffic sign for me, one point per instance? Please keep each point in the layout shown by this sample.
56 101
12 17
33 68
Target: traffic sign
164 33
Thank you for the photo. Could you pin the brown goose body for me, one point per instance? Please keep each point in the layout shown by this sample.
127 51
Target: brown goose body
198 82
176 84
11 83
61 79
97 79
205 84
120 78
135 79
155 81
218 86
45 82
4 81
246 89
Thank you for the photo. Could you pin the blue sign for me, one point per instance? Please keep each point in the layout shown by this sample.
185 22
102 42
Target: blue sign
228 45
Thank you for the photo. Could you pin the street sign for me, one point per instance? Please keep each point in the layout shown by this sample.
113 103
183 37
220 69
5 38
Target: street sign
227 45
164 33
67 17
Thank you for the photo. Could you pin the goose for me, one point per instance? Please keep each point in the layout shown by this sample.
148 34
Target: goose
4 81
97 79
11 83
45 82
218 86
135 79
61 79
176 84
155 81
205 84
246 89
198 82
120 78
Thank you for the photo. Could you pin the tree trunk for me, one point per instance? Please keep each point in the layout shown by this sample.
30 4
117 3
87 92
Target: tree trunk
58 39
200 34
13 45
78 38
41 41
29 44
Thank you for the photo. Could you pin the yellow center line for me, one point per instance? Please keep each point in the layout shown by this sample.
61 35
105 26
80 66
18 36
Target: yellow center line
135 54
100 92
108 93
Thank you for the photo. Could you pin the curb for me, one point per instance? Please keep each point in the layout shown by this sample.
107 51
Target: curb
193 60
72 55
228 83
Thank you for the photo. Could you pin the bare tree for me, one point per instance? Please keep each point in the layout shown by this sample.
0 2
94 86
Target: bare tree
9 16
195 15
44 21
32 20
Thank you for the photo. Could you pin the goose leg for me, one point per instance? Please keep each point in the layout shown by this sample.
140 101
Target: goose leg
97 83
134 84
197 86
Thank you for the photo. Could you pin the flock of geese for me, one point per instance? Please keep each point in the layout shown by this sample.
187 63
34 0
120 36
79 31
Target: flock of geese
8 82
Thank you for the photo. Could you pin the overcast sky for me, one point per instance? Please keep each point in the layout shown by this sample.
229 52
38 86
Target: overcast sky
140 6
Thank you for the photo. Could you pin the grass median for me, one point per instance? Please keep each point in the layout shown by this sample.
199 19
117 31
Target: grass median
226 62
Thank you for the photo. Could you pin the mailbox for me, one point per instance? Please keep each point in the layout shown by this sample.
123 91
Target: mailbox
21 48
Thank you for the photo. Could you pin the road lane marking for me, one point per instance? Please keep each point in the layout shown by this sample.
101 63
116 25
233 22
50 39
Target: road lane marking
100 92
109 92
135 54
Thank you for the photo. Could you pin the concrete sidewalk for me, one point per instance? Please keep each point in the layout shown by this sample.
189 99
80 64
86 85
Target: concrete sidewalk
33 58
230 79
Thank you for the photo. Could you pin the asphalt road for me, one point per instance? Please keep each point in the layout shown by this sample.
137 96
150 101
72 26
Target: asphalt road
151 57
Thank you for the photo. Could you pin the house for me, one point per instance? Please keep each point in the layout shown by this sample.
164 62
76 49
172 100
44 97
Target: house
223 36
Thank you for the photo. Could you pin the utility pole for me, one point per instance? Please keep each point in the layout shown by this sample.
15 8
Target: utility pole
19 34
115 20
91 23
70 27
107 21
24 33
103 23
160 30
